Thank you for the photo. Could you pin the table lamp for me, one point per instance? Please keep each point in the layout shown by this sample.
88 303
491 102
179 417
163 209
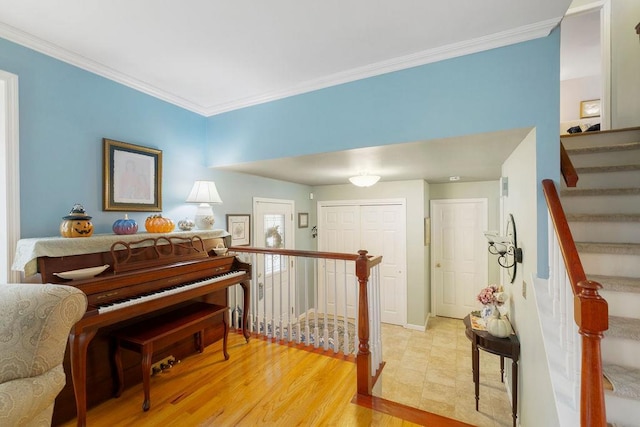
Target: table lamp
204 192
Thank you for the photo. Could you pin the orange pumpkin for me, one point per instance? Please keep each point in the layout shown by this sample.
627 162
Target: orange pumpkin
77 223
158 224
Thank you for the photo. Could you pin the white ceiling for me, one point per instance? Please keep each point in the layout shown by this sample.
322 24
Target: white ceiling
212 56
471 158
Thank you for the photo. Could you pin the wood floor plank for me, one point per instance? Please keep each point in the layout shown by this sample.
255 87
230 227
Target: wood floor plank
263 383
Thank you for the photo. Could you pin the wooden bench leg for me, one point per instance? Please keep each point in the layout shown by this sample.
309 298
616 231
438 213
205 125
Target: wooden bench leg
118 360
147 355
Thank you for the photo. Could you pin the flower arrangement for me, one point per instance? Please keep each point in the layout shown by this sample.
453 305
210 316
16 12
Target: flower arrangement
493 298
492 294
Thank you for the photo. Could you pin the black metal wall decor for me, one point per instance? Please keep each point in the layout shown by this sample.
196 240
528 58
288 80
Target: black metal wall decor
506 248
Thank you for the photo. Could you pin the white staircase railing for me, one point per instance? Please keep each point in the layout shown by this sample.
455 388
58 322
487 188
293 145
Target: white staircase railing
312 300
564 346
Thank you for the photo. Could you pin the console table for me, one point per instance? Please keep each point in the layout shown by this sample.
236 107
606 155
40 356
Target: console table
503 347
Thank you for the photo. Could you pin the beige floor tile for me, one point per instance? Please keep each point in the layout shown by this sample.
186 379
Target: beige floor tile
431 370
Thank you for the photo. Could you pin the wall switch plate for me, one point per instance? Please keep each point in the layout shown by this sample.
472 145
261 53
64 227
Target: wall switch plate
524 289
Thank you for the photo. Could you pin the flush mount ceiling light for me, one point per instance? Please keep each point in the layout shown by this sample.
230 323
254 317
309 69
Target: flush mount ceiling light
364 180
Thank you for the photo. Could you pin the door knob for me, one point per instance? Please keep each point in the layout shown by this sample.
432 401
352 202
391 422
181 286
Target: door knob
438 265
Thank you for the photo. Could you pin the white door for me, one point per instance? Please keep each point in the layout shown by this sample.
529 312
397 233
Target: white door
276 291
383 234
458 255
378 228
339 231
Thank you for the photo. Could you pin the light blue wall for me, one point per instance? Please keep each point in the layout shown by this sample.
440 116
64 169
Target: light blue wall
64 114
511 87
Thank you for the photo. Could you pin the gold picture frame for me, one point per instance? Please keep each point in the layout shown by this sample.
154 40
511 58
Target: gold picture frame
132 177
589 108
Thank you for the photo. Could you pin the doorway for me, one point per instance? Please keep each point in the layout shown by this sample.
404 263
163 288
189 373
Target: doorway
274 228
380 228
585 71
458 255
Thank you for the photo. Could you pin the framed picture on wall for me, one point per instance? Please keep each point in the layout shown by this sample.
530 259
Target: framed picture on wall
239 226
132 177
303 220
590 108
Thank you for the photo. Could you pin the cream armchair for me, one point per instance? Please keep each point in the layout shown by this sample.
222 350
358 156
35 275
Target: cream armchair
35 321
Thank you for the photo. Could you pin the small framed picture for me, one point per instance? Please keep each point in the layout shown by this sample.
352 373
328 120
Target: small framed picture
303 220
132 177
590 108
239 226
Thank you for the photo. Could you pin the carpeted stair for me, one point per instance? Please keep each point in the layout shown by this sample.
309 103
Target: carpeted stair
604 215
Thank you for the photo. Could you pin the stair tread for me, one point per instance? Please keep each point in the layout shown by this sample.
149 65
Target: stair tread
600 169
608 248
617 283
604 148
625 380
623 327
581 217
568 192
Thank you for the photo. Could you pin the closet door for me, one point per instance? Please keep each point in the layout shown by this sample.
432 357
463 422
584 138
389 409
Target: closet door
380 228
340 232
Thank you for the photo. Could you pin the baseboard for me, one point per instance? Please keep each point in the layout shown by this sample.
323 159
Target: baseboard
420 328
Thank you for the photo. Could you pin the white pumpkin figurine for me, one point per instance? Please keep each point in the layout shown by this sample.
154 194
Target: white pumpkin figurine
499 326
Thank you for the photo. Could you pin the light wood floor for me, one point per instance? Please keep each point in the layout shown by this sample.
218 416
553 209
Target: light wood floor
263 383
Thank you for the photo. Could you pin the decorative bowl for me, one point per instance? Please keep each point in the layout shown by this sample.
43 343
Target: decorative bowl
220 251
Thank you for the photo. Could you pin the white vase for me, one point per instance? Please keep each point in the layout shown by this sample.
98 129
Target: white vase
487 311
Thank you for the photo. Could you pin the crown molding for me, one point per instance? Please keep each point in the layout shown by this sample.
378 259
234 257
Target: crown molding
492 41
467 47
64 55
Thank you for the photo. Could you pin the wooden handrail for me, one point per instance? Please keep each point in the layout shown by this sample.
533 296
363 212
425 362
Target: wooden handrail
372 260
591 314
566 168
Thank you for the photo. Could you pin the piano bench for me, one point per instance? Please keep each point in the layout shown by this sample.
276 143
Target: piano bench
159 332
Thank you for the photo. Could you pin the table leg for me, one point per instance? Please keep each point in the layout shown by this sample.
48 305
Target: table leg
475 358
514 392
501 369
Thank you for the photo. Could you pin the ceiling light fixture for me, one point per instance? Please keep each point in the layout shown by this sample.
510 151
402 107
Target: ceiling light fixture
364 180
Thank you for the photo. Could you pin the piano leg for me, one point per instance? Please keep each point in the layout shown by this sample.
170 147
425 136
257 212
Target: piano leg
147 354
245 290
79 341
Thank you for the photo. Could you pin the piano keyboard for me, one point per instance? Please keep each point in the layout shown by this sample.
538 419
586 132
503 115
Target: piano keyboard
138 299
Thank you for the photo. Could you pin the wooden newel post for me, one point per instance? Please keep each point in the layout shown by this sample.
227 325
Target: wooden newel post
363 359
592 317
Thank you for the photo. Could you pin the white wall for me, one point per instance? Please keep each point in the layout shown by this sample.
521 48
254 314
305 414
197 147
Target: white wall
625 64
419 287
575 90
535 395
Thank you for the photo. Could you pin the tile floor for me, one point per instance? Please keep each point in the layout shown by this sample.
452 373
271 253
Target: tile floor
431 371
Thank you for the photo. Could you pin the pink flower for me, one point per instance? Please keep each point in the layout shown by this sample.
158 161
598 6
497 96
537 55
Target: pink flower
492 294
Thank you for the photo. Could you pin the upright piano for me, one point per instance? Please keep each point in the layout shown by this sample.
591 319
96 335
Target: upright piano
147 275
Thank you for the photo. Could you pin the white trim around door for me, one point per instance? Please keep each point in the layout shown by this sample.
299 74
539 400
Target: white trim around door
10 180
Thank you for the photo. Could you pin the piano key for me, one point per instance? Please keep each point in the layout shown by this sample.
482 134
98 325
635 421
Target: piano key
138 299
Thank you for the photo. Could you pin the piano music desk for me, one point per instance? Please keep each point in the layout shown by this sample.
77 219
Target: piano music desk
146 336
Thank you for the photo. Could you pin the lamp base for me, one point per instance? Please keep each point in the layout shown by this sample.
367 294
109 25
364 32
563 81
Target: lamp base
204 222
204 217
